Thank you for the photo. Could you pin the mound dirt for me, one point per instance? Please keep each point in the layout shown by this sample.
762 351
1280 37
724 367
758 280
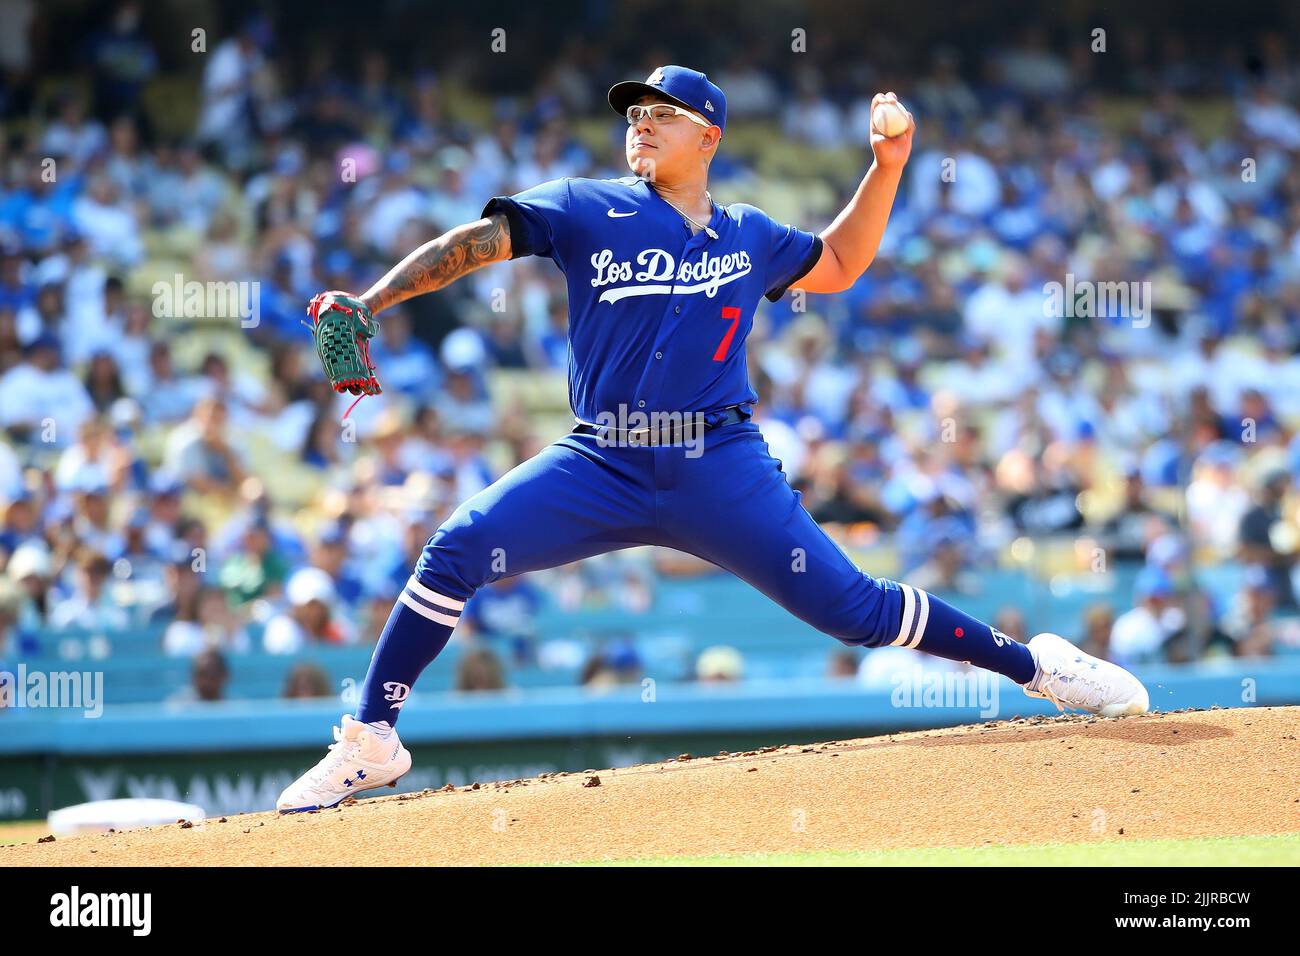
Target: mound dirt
1039 780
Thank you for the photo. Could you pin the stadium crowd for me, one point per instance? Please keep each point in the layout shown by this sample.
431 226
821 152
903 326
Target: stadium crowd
941 407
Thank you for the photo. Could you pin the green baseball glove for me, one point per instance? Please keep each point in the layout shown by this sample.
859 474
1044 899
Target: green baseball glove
343 328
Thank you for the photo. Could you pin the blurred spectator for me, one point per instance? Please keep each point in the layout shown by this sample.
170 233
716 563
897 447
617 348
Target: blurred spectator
164 507
1007 312
453 202
18 521
719 664
946 571
92 523
1139 635
1216 501
167 398
1011 621
461 405
186 192
230 71
374 614
41 401
138 562
123 59
30 567
103 381
108 223
479 669
199 453
1098 623
504 612
257 569
1260 539
311 618
181 585
242 396
12 646
408 363
750 91
506 342
1250 623
1126 533
90 606
842 665
38 213
11 475
1042 492
209 676
204 621
811 118
95 461
307 681
837 497
73 134
614 663
330 554
551 348
386 466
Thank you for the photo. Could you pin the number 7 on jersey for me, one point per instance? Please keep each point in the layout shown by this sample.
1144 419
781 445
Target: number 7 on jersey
728 312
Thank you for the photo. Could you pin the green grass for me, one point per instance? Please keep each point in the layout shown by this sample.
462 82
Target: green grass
1283 850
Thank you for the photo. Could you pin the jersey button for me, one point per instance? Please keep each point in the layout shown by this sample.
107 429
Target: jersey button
641 404
678 309
659 355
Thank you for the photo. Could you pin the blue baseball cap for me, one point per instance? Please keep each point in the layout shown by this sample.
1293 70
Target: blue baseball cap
1153 582
165 484
677 84
1256 578
333 533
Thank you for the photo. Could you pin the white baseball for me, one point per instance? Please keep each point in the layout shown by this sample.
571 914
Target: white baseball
890 119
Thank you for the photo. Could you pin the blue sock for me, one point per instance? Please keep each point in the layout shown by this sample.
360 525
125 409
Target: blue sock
416 632
938 628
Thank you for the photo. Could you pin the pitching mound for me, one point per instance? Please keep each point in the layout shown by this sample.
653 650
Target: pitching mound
1062 780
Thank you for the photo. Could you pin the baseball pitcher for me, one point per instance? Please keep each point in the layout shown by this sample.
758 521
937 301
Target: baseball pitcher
662 285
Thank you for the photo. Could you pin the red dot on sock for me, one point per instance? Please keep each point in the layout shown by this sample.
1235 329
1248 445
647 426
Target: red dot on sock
959 632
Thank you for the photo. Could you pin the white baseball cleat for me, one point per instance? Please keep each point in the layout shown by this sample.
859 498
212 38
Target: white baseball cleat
358 760
1070 678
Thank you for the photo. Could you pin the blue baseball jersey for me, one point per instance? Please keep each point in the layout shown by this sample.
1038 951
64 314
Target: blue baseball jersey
658 317
658 322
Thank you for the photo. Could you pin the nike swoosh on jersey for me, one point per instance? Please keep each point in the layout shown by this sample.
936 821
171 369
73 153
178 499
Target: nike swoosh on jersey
619 215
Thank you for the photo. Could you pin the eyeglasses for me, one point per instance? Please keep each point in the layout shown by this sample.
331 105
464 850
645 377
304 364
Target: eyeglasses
661 113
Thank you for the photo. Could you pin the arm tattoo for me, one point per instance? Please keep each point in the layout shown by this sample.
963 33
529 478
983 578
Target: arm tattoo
442 261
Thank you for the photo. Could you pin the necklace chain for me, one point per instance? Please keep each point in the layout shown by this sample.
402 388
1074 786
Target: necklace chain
709 232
